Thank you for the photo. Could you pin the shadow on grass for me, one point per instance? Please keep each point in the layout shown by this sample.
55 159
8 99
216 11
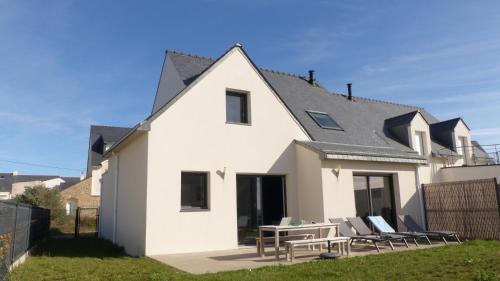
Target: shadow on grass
78 247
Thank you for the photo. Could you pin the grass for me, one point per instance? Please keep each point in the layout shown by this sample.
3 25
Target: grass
92 259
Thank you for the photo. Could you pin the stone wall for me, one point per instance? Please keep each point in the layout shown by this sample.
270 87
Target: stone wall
82 193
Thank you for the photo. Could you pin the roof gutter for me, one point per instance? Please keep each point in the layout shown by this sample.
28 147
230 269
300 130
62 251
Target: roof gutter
363 156
136 131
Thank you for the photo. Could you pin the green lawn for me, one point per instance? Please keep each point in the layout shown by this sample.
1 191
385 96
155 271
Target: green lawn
92 259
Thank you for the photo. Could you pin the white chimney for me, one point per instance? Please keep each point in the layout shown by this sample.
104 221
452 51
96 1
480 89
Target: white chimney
15 173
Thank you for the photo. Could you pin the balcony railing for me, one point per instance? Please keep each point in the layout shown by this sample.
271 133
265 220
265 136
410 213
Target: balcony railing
472 155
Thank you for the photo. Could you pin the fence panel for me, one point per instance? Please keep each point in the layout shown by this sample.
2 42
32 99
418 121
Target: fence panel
470 208
21 227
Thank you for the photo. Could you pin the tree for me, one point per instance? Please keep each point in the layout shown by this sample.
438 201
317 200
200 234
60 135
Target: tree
42 197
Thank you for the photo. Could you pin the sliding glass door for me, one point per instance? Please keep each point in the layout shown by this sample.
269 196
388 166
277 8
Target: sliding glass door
261 200
374 196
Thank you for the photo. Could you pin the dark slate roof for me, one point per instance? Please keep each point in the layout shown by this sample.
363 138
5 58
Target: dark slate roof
362 120
68 182
7 179
189 69
446 126
99 136
440 150
403 119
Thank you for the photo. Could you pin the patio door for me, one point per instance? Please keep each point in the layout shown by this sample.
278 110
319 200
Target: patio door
374 196
261 200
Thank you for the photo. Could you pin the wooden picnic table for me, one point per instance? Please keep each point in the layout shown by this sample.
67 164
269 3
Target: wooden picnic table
276 229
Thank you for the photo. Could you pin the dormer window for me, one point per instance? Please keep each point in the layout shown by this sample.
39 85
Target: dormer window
237 107
462 144
324 120
419 144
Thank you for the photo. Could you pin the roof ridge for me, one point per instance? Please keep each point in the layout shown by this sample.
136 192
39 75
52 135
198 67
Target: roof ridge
301 77
260 68
383 101
189 55
107 126
282 72
32 175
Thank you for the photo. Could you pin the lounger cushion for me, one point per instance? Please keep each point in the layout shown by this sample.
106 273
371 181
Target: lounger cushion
380 224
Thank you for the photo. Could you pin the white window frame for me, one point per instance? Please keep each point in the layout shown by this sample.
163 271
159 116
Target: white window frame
419 142
461 147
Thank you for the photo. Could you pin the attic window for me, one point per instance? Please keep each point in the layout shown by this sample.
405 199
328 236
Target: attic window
237 107
324 120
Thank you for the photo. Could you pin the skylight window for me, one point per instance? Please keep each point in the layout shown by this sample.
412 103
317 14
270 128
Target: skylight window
324 120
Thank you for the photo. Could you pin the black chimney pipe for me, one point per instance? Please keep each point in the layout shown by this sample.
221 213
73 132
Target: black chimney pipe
349 91
312 79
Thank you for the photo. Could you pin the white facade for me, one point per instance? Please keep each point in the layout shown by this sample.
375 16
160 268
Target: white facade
141 190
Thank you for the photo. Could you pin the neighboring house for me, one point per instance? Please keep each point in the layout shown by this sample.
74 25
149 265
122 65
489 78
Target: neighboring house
229 146
13 184
101 139
79 195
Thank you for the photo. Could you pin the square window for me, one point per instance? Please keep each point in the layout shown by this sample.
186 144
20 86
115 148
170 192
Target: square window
194 191
236 107
324 120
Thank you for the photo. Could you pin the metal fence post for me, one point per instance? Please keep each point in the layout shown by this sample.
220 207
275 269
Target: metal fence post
497 154
28 230
14 230
77 222
97 217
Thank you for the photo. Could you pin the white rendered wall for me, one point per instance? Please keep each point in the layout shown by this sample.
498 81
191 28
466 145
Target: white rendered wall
339 191
123 197
469 173
192 135
310 185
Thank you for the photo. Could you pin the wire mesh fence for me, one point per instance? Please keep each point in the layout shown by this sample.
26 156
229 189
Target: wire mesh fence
21 227
471 155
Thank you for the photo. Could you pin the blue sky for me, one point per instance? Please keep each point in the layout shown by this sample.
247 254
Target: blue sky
67 64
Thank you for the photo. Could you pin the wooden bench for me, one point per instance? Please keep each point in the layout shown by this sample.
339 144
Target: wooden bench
342 242
293 237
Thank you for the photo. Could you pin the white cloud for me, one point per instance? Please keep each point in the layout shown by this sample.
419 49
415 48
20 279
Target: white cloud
22 118
459 49
374 69
486 132
479 97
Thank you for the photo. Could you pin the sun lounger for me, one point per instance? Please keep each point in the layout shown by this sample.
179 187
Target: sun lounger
346 231
411 225
383 227
359 225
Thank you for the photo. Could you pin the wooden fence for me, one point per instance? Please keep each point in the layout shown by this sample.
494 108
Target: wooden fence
469 207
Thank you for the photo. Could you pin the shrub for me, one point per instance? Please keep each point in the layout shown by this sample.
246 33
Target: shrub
42 197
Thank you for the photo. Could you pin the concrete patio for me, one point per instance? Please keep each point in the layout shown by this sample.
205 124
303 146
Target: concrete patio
247 258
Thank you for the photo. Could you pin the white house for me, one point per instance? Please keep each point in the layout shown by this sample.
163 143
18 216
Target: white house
101 138
229 146
13 184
